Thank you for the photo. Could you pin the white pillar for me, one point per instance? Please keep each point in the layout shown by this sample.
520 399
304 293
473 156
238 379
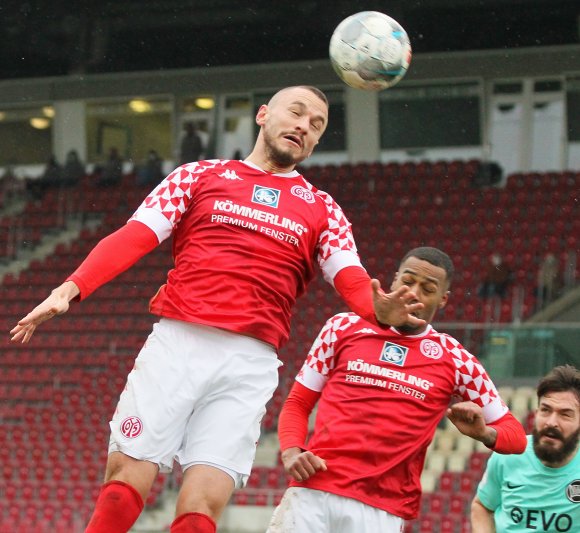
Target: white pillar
362 125
68 129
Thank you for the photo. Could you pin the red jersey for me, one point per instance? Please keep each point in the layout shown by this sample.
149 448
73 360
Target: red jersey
245 244
382 395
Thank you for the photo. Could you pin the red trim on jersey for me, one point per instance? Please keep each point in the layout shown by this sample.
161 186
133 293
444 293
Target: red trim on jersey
354 286
112 255
511 436
293 420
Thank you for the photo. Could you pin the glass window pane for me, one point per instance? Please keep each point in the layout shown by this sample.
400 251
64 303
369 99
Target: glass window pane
431 116
133 126
26 135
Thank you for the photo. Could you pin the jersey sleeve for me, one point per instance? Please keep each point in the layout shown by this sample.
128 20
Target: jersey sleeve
473 383
163 208
321 358
489 488
336 246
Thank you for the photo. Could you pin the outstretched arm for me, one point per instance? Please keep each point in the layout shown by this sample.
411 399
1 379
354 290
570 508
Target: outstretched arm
56 304
111 256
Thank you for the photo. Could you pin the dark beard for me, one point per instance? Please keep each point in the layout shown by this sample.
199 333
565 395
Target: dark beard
551 455
409 329
283 158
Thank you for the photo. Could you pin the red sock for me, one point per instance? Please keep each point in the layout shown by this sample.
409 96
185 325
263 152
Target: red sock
117 508
193 523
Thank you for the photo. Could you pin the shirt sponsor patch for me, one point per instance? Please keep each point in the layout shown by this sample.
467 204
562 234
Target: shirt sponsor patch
393 353
304 193
266 196
431 349
573 491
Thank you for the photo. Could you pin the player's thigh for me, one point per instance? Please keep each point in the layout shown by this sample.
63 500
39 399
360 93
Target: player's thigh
225 427
205 489
152 413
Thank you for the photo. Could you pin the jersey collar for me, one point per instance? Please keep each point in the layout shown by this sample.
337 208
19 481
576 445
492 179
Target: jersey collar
428 330
291 174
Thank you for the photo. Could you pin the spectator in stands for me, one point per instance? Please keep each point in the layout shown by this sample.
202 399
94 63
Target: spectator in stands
74 169
381 393
151 171
50 178
497 278
112 172
191 145
200 384
539 490
549 280
10 186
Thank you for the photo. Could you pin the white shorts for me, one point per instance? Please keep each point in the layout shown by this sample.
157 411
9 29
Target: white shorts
196 394
305 510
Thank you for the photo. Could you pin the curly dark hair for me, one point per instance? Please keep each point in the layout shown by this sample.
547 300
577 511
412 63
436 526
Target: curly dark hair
560 379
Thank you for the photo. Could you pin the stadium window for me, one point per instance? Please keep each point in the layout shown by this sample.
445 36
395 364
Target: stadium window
573 109
547 86
133 126
236 140
26 135
430 116
515 87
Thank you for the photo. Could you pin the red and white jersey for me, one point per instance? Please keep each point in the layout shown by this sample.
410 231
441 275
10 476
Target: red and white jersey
245 245
382 395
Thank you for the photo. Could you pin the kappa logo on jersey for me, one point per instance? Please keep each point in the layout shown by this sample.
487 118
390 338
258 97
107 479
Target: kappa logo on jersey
131 427
367 330
302 192
230 175
266 196
431 349
573 491
393 353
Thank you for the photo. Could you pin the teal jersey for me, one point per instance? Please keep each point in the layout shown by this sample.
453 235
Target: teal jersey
525 495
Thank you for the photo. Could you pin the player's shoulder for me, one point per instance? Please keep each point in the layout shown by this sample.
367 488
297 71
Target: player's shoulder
323 196
197 168
449 343
342 321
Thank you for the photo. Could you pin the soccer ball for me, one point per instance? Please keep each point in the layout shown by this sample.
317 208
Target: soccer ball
370 51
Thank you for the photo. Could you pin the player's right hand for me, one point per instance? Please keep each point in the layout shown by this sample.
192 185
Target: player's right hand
396 308
56 304
302 465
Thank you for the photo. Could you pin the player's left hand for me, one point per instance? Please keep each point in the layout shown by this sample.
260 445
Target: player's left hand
468 418
301 465
396 308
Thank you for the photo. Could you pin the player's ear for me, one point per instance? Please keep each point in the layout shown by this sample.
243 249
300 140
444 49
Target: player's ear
444 300
261 115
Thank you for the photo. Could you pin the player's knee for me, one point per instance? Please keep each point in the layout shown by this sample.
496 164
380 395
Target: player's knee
139 474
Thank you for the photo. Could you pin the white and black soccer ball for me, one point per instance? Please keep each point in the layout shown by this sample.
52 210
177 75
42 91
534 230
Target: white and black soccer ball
370 50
